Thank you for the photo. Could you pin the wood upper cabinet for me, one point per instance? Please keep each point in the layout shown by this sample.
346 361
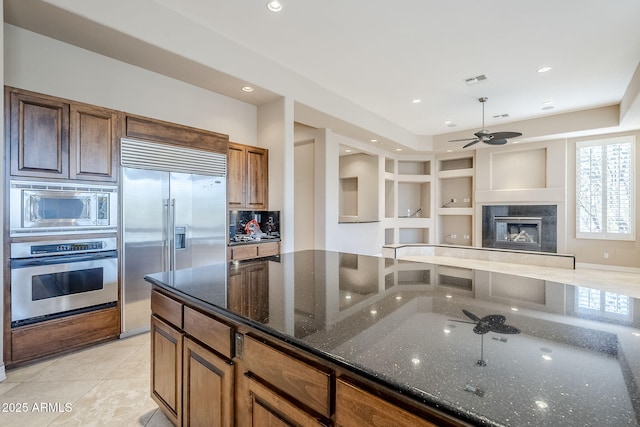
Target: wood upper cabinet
247 177
208 395
55 138
38 135
93 143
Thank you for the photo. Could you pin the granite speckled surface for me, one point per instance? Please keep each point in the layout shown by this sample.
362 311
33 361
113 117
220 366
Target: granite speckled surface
575 362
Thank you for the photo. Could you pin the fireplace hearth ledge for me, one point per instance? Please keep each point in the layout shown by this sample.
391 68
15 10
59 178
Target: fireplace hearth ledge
510 256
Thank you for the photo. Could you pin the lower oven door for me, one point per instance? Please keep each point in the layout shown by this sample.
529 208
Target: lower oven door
48 287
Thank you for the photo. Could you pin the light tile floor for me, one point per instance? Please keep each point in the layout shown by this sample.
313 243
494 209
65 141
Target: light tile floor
104 385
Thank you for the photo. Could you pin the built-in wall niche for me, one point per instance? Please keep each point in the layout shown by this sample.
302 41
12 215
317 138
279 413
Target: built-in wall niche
388 236
414 167
358 187
389 198
456 278
456 192
349 197
519 170
390 165
456 229
414 199
456 164
413 235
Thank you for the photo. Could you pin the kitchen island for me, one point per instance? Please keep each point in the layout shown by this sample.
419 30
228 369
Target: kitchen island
327 338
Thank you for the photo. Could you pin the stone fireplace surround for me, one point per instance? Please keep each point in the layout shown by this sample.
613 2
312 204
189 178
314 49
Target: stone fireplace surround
548 213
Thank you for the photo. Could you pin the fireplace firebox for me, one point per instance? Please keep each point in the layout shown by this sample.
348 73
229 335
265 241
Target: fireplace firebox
518 232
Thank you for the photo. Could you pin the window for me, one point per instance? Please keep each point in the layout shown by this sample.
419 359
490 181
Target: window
602 305
605 194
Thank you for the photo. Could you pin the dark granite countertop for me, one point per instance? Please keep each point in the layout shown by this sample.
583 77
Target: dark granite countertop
410 326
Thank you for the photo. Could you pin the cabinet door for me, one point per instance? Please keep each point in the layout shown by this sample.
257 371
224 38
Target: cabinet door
39 136
235 175
166 369
208 387
356 407
269 409
92 143
257 178
257 288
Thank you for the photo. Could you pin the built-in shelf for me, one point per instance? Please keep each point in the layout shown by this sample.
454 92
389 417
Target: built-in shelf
413 235
454 200
414 167
456 163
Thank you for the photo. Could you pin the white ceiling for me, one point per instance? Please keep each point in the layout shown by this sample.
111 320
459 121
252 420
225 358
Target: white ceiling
381 55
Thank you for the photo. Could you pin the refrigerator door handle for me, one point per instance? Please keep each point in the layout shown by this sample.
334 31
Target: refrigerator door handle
166 236
172 236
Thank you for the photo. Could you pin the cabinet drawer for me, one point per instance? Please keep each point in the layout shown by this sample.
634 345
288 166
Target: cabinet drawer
166 308
305 383
268 249
242 252
208 330
356 407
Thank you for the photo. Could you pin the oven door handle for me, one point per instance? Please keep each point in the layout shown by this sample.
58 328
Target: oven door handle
63 259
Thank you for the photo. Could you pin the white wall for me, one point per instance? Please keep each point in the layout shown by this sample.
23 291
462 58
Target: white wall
304 196
45 65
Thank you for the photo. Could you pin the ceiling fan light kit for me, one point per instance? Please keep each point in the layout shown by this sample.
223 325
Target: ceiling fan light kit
483 135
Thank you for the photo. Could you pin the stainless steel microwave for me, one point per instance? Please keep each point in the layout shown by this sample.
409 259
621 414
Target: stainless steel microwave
48 208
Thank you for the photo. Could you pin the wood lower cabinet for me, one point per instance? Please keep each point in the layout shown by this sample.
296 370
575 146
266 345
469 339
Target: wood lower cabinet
240 252
166 368
207 384
270 409
356 407
216 371
247 177
248 290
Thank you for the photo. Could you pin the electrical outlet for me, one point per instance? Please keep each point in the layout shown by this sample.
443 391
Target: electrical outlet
453 236
465 237
454 200
606 255
467 200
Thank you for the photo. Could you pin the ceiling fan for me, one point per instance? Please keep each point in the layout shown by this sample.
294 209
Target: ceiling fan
483 135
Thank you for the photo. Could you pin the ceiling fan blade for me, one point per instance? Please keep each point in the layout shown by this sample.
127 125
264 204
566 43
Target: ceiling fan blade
475 141
505 135
504 329
495 141
470 315
460 140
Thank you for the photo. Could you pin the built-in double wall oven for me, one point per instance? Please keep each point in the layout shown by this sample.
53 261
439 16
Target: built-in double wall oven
63 253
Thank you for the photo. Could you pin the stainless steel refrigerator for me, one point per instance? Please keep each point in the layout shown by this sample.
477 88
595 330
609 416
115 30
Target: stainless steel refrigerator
174 217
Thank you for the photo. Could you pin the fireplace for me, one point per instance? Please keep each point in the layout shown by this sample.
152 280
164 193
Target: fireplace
518 232
520 227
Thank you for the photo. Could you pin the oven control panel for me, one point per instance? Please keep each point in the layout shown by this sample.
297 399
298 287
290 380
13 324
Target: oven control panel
67 247
61 247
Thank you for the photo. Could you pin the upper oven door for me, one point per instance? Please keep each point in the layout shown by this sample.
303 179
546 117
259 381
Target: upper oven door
47 208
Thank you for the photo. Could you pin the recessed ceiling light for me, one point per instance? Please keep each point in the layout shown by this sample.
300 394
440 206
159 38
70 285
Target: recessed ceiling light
373 140
449 151
446 331
374 311
348 150
547 357
447 122
398 149
514 308
548 102
274 6
544 69
347 296
416 101
247 89
415 361
398 298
